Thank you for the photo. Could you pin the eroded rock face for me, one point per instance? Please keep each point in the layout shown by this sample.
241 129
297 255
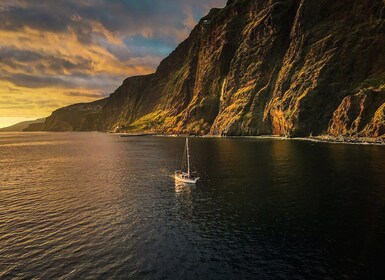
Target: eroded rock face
290 67
362 114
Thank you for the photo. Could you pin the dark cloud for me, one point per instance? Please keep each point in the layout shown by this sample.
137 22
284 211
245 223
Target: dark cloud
41 63
124 16
83 94
9 54
36 17
102 82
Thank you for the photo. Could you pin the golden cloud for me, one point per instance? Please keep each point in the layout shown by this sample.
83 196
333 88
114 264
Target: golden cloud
33 88
49 61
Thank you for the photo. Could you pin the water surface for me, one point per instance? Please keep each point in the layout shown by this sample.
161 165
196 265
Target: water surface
91 205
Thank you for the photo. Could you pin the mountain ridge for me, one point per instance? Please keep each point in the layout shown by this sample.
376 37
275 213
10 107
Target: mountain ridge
290 68
33 125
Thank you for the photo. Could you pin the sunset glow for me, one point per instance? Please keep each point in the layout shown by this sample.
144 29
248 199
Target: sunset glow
55 53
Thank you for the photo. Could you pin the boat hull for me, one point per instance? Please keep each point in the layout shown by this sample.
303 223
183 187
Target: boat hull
180 178
186 180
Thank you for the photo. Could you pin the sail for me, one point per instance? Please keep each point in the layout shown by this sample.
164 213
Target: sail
182 176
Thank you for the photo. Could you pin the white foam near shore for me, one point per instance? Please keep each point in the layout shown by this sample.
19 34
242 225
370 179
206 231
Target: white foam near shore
316 139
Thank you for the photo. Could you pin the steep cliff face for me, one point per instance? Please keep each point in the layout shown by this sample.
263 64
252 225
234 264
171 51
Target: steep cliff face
289 67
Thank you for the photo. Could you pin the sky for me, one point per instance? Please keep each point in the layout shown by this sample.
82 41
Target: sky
56 53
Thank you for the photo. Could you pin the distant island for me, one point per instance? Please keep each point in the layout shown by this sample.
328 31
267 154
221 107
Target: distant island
289 68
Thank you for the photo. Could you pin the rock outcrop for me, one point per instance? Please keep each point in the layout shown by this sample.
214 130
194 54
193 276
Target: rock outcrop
362 115
280 67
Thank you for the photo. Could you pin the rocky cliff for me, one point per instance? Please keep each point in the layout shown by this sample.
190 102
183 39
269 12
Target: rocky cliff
288 67
77 117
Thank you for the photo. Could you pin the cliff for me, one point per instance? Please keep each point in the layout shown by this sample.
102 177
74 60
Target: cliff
293 67
77 117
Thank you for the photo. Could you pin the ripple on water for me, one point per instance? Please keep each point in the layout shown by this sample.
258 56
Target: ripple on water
90 205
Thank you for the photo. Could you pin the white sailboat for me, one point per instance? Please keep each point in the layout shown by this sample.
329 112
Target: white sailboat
186 177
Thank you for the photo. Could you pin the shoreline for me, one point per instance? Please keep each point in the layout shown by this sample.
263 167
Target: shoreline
323 139
315 139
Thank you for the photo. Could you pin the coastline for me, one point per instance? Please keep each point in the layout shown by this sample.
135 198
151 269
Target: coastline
321 139
331 140
316 139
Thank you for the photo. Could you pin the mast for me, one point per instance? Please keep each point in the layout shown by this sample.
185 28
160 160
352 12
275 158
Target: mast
188 158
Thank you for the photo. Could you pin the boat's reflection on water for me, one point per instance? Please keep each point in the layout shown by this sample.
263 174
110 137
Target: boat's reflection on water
184 199
183 188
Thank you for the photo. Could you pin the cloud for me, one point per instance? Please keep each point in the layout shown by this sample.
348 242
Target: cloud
27 61
54 53
77 80
88 95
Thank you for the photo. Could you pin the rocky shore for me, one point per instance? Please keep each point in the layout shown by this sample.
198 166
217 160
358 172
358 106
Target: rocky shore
320 138
348 140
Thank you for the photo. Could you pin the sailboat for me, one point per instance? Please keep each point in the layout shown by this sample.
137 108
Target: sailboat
186 177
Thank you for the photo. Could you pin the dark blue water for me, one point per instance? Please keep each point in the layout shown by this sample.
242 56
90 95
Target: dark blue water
91 205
